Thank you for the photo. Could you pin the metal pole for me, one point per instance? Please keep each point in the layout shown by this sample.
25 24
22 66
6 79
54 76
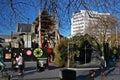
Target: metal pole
85 54
28 20
27 39
116 38
11 38
27 34
68 59
40 40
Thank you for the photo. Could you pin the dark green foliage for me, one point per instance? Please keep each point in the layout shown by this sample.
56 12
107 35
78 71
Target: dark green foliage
63 53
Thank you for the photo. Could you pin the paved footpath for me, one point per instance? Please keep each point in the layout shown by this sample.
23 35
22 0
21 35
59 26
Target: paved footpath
112 73
31 73
54 73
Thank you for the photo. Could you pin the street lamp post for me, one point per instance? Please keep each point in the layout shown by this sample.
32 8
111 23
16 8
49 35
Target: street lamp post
68 56
68 59
116 38
85 53
11 38
27 39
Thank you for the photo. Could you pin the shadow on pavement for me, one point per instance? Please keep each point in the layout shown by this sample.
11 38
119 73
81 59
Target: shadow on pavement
82 77
51 67
110 70
29 68
107 71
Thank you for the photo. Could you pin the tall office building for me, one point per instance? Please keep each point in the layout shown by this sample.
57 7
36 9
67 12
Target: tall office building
81 19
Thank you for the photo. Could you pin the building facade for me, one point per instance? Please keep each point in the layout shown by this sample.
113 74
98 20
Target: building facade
22 38
81 19
5 40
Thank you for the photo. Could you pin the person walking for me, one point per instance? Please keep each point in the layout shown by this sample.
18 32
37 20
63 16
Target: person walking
102 73
91 75
19 60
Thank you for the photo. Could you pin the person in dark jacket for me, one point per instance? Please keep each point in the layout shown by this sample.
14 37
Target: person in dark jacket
91 75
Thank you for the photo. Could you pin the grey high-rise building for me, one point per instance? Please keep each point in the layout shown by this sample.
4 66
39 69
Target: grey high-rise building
81 19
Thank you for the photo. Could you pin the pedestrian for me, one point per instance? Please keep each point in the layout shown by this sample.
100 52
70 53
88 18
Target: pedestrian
14 65
19 60
102 73
103 76
91 75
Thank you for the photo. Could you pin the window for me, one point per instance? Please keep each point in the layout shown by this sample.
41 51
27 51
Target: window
2 40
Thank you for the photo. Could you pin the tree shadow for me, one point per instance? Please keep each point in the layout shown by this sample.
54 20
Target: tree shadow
82 77
107 71
51 67
110 70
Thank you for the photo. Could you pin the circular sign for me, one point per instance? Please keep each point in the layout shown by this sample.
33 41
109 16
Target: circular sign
114 51
38 52
49 50
28 52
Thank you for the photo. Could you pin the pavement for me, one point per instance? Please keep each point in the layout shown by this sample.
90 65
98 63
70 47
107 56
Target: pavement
55 73
112 73
31 73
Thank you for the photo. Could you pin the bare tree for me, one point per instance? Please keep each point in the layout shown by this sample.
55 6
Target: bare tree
103 28
13 11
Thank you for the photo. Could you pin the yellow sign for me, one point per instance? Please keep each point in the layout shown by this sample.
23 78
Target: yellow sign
114 51
38 52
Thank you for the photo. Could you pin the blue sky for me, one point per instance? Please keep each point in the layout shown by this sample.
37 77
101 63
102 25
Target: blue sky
9 20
